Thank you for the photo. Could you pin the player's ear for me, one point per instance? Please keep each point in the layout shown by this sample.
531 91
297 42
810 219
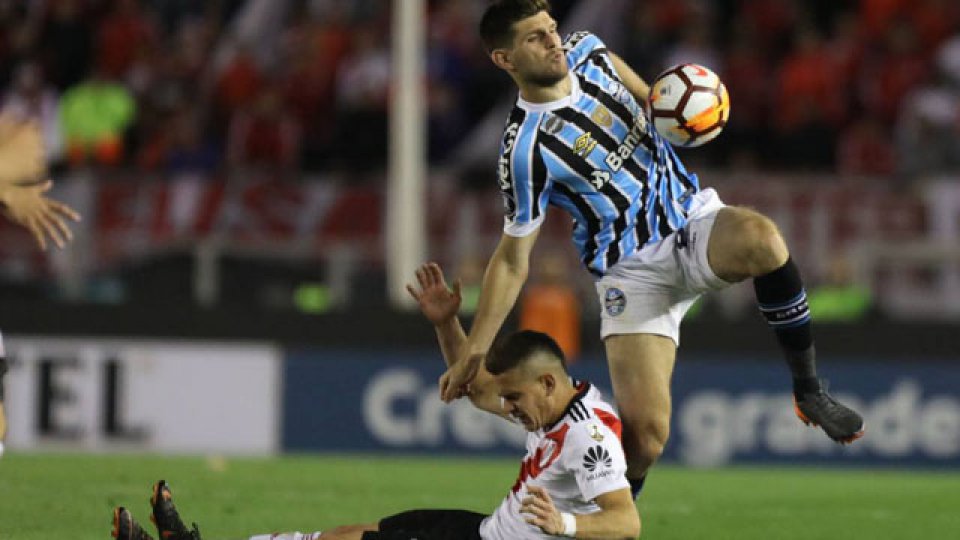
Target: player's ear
501 58
549 383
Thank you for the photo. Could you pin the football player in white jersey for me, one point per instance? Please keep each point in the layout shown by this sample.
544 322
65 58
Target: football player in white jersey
572 481
23 201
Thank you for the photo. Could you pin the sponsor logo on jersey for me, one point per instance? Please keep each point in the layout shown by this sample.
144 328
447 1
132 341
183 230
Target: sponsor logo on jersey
503 170
601 116
596 458
614 301
584 144
615 159
553 125
598 179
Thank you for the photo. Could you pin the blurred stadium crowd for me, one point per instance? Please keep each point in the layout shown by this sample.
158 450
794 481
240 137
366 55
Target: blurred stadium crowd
861 86
169 123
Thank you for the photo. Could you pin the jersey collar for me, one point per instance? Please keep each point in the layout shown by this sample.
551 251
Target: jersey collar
582 388
565 101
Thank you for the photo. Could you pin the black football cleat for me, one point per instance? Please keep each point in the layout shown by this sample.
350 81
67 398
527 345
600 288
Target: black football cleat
839 422
166 518
125 527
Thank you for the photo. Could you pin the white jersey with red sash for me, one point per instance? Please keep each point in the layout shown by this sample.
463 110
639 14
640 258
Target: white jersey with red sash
575 460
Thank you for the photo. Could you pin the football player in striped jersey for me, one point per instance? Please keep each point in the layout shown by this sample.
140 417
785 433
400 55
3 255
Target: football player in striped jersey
579 139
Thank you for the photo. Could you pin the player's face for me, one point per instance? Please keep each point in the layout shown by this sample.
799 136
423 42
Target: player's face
537 55
525 397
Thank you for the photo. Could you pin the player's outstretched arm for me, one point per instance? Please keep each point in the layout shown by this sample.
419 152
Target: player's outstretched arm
22 194
505 275
45 218
617 519
634 83
21 151
439 304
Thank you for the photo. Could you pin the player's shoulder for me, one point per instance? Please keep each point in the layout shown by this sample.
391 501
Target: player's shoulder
591 440
518 131
519 120
590 419
580 45
582 40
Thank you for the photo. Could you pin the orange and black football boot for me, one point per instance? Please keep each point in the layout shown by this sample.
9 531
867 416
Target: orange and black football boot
839 422
166 518
125 527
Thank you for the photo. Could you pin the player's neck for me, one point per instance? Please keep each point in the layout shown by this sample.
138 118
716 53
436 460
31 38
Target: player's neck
565 394
535 93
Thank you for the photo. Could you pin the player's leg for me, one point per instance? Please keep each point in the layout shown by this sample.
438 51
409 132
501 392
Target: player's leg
643 305
345 532
3 414
641 366
410 525
745 244
125 527
165 515
308 536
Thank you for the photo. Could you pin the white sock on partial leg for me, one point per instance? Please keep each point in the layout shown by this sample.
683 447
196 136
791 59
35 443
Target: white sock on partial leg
288 536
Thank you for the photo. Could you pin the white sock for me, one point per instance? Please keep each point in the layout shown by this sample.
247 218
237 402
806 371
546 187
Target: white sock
1 448
288 536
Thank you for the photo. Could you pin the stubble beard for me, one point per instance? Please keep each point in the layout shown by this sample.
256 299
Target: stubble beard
546 80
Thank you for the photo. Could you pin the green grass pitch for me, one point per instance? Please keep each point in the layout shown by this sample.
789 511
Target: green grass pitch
71 496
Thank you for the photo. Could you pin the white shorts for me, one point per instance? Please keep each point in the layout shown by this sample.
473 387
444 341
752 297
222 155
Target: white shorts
650 291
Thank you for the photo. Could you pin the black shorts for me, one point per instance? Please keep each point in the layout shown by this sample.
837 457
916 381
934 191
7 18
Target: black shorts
429 525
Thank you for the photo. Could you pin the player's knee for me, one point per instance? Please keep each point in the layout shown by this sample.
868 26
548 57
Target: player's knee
764 249
649 441
345 532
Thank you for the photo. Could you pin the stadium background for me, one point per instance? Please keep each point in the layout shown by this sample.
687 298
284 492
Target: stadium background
231 162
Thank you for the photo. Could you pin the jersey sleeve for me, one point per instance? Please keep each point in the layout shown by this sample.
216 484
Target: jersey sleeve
579 47
523 177
596 459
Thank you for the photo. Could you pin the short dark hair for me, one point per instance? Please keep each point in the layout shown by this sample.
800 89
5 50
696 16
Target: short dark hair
496 25
514 349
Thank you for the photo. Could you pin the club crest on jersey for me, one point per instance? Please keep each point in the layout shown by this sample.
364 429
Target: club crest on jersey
595 433
553 125
584 144
614 301
597 457
601 116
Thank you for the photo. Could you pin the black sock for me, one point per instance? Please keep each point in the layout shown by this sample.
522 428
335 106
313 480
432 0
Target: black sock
783 302
636 485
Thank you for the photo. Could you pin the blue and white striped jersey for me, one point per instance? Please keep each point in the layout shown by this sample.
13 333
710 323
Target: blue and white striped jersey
595 155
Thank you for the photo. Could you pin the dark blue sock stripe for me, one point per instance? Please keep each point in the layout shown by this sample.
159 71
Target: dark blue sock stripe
801 297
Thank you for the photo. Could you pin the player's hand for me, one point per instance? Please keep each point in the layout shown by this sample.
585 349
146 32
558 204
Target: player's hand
21 151
539 506
438 303
43 217
455 383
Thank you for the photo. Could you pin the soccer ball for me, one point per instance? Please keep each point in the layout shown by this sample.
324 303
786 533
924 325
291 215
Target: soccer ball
688 105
